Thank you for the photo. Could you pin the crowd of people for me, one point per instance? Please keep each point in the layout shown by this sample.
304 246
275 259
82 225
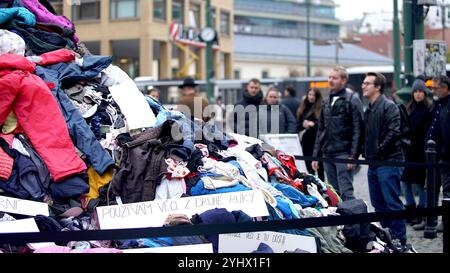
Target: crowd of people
338 127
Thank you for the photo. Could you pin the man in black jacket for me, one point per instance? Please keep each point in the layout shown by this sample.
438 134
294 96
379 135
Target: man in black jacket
339 132
383 142
439 129
246 112
290 101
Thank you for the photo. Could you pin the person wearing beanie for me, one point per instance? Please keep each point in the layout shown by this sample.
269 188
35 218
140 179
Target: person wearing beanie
417 109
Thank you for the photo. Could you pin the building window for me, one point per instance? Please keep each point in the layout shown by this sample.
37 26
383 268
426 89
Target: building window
177 11
194 15
225 22
86 10
121 9
265 74
159 9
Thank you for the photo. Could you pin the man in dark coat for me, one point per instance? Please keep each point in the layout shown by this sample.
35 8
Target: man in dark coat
439 130
191 103
246 112
339 133
290 101
383 142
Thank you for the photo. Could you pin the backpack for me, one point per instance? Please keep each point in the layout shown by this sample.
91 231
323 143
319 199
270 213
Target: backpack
405 133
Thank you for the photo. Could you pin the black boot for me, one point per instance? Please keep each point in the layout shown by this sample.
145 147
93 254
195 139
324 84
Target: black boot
408 208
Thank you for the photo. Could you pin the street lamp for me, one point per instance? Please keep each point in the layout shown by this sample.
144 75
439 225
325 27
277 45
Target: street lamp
339 43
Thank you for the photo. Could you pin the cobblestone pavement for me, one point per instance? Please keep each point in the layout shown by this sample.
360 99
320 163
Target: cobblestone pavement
421 244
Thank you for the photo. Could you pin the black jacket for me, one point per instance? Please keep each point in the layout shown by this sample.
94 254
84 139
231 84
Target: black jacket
340 125
382 133
309 136
418 123
443 135
292 104
287 124
245 114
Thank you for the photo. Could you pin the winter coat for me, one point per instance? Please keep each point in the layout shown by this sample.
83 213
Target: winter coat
286 121
38 114
80 132
382 133
340 122
21 15
438 129
291 103
24 182
309 136
192 111
247 123
142 165
418 122
45 16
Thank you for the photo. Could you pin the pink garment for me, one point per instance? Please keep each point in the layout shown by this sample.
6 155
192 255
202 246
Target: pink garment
45 16
64 249
39 115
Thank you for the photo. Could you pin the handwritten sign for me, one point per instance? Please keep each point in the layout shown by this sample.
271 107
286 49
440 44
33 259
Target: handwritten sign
154 213
279 242
200 248
24 225
23 207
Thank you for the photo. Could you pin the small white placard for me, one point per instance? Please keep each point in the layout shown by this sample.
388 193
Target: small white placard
289 144
279 242
200 248
154 213
23 207
24 225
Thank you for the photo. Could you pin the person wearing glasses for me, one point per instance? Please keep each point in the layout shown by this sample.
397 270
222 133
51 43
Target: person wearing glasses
383 142
439 131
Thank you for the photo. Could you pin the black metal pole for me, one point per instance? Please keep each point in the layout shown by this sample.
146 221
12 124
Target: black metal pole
430 155
446 222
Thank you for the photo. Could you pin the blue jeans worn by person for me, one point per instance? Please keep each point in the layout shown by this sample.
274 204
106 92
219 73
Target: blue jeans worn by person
384 189
340 178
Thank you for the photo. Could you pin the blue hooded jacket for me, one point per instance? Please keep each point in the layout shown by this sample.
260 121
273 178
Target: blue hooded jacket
80 132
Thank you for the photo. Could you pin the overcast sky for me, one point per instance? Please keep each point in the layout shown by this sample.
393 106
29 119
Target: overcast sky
354 9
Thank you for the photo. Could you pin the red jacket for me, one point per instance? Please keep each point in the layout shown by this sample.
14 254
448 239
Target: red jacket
39 115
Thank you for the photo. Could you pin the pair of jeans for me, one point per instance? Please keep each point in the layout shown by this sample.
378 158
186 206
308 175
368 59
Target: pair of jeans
384 189
409 194
340 178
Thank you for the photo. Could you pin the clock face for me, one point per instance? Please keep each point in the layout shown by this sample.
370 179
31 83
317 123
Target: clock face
208 34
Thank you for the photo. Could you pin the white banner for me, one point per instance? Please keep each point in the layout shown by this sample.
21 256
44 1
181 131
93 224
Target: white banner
154 213
278 242
23 207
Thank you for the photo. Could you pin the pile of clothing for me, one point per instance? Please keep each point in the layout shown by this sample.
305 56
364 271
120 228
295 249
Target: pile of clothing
76 133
